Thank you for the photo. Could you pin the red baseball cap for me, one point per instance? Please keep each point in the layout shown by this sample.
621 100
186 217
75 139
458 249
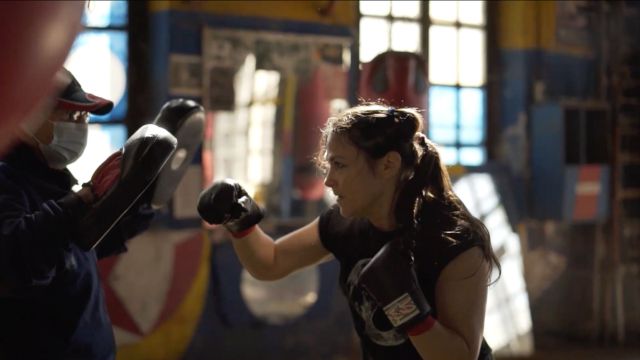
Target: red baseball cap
74 98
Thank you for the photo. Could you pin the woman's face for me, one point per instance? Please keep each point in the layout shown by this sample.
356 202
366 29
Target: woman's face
360 191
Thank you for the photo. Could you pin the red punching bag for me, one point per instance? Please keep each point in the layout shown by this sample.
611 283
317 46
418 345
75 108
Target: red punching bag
312 109
35 38
398 78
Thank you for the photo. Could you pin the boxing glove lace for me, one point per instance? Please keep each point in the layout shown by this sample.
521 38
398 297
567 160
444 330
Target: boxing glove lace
225 202
391 280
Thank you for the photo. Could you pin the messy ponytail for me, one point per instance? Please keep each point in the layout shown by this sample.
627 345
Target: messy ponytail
425 198
429 191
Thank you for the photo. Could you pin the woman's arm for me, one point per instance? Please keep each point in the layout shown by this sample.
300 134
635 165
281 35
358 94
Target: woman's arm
461 296
266 259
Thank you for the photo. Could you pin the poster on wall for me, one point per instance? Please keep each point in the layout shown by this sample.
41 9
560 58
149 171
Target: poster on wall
220 91
226 50
185 75
269 94
572 23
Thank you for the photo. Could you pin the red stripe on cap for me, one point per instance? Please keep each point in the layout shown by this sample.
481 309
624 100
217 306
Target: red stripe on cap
77 106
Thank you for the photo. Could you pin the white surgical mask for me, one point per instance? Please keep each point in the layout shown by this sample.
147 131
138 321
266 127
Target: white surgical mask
68 143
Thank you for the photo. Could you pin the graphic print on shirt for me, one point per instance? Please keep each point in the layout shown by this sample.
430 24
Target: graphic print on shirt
376 325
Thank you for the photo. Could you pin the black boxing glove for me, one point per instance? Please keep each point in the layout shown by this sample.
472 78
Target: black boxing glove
225 202
391 280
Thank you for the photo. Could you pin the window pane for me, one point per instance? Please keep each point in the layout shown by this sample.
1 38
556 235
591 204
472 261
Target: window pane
443 106
374 37
102 141
443 10
471 12
443 115
407 9
443 55
472 156
471 116
448 155
105 14
379 8
442 135
472 57
260 141
405 36
230 143
471 136
243 81
266 84
98 59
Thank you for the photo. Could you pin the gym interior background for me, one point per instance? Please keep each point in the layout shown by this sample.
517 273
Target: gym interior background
535 107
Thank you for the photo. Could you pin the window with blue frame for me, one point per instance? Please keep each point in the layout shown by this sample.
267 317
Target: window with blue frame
389 25
99 56
99 59
457 78
456 52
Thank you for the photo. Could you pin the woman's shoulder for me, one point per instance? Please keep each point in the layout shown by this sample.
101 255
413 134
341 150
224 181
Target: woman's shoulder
332 223
336 232
444 241
466 264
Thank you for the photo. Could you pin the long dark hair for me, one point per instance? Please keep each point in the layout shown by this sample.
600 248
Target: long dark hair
425 196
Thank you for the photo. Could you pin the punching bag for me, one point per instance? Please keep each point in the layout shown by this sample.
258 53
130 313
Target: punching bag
397 78
312 112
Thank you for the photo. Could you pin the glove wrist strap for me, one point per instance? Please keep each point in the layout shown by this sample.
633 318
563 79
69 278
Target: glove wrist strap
243 233
422 327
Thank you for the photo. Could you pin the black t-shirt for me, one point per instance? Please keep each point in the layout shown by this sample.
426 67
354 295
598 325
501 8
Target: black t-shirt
353 242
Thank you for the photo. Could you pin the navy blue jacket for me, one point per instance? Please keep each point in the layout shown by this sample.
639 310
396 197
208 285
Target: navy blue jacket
51 302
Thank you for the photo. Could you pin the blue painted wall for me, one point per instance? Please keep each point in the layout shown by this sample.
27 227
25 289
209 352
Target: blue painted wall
536 66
